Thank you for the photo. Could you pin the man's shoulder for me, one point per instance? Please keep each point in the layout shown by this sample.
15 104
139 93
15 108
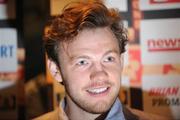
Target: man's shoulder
53 115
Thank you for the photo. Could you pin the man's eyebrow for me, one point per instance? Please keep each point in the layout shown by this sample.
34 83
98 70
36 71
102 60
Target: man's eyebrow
78 57
73 57
111 51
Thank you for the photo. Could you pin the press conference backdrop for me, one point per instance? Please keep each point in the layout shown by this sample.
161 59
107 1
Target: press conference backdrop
151 76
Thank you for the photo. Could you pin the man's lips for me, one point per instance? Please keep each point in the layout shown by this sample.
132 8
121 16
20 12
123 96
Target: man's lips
98 90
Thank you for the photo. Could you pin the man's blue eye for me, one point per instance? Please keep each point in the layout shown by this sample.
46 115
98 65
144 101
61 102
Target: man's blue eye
109 59
82 62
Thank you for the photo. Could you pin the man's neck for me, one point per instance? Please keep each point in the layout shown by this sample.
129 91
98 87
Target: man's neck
74 112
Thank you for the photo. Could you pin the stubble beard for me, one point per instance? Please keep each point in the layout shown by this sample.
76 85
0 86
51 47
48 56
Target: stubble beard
98 107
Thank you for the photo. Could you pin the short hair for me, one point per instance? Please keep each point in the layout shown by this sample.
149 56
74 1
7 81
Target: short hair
77 17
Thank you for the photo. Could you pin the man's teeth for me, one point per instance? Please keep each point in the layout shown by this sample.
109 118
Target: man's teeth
97 90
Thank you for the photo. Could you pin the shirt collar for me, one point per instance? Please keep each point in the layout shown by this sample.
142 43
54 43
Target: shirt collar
116 111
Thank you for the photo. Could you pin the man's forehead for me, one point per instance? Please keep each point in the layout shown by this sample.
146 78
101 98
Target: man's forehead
89 37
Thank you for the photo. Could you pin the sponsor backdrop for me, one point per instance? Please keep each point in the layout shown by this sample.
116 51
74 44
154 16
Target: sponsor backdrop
11 62
151 77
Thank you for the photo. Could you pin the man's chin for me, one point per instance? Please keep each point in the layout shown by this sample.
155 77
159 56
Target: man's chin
99 108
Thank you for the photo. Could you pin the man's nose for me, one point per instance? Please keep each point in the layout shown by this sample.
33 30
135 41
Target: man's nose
98 72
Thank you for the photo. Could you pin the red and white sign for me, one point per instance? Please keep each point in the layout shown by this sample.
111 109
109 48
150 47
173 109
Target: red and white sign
125 81
161 95
8 50
159 4
160 41
120 4
135 66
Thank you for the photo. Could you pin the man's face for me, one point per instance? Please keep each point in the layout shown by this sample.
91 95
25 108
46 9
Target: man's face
91 69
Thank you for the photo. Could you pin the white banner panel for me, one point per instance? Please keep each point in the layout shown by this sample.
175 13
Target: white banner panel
126 57
3 14
120 4
8 50
6 84
160 41
161 95
159 4
7 9
125 81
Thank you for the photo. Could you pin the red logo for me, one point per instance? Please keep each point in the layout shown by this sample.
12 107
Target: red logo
164 91
163 45
163 1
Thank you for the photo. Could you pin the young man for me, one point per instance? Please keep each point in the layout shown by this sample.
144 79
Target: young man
85 46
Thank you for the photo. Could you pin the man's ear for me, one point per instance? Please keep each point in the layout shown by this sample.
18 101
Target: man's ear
54 70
